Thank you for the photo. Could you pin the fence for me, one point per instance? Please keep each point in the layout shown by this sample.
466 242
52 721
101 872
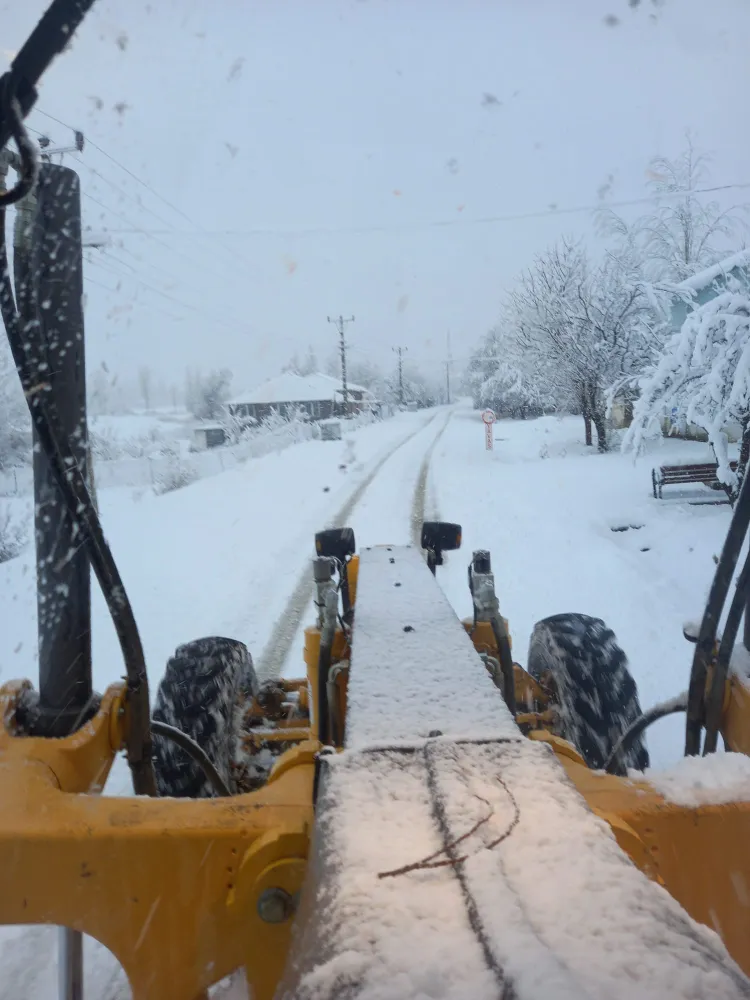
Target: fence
197 465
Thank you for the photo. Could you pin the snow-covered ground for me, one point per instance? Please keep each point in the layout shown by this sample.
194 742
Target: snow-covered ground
148 449
223 556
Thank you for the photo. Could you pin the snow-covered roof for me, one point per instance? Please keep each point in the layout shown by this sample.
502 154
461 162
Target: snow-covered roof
292 388
702 279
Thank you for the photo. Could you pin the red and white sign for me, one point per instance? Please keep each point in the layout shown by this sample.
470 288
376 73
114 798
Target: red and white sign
488 417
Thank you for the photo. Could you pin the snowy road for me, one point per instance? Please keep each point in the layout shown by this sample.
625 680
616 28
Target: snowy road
395 500
225 555
382 502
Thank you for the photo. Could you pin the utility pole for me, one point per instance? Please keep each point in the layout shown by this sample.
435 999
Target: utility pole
448 369
340 324
400 351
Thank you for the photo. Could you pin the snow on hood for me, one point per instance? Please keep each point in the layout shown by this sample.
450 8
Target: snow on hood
715 780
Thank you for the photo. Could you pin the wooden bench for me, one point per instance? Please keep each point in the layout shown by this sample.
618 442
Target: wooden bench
676 475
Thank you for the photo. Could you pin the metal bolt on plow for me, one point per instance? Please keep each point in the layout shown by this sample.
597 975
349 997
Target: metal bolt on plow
275 906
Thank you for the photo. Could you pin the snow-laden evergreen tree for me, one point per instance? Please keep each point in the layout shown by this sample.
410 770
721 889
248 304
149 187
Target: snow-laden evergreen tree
703 374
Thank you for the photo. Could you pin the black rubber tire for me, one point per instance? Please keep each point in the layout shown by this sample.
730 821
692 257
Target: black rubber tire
594 692
204 687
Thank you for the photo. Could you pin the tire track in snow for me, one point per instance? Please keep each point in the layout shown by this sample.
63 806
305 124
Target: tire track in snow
271 661
419 503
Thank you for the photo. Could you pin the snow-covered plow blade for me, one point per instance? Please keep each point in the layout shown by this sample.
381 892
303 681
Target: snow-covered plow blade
453 857
459 870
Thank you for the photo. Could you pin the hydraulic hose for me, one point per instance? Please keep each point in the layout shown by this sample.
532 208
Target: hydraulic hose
715 698
709 626
329 602
615 762
77 499
505 657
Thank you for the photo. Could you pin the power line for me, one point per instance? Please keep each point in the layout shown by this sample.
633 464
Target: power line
173 298
154 239
232 254
232 325
441 223
122 167
126 194
99 284
121 191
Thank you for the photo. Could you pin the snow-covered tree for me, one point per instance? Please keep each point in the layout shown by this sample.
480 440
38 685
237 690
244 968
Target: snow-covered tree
100 392
685 232
144 384
207 393
496 378
417 387
15 423
704 373
310 364
363 372
568 332
579 329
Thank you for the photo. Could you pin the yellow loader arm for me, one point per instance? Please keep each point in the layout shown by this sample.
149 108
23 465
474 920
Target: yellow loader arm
435 846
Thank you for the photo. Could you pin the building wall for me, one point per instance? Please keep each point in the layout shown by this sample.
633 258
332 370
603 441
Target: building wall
315 409
691 432
680 309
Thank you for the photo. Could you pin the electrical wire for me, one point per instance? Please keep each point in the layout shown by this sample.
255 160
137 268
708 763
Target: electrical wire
447 223
232 254
173 251
440 223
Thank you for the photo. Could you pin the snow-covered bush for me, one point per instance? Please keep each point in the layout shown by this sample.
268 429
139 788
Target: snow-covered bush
178 473
703 374
13 534
108 446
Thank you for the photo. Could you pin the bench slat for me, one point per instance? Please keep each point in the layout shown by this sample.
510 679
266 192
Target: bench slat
673 475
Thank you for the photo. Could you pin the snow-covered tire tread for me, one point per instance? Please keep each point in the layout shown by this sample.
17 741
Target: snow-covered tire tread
205 686
594 692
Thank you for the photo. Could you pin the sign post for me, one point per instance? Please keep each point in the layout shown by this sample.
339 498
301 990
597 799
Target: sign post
488 418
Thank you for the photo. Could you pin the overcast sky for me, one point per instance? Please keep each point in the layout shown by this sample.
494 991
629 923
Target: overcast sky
326 156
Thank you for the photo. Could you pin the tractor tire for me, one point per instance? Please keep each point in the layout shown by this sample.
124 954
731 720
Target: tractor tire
593 691
202 693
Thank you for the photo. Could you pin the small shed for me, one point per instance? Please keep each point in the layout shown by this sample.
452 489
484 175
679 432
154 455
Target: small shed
209 436
330 430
